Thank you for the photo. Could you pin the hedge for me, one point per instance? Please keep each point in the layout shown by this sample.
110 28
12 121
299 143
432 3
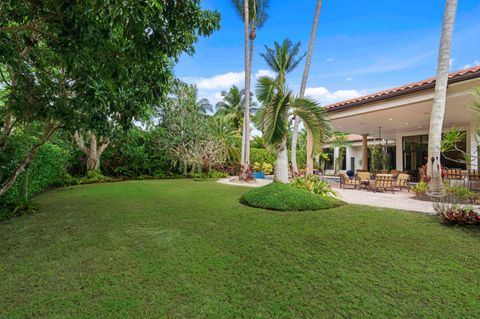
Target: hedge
262 155
47 169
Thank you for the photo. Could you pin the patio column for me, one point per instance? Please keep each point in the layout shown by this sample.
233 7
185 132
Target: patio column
472 146
365 152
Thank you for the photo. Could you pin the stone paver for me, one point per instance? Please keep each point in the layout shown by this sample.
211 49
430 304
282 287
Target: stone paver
400 200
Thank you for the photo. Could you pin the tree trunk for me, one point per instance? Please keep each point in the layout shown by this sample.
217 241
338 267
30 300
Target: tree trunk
7 184
7 129
309 166
294 145
281 163
246 112
93 151
438 109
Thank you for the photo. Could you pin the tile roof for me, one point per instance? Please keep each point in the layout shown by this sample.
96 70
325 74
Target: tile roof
454 77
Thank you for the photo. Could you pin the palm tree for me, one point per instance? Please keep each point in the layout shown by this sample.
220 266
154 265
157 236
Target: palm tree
306 71
232 107
254 15
278 103
283 58
438 109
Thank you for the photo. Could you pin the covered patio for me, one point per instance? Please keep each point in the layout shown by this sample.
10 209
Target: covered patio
398 118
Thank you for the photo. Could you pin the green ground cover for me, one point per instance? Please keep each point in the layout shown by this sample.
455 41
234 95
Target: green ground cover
183 249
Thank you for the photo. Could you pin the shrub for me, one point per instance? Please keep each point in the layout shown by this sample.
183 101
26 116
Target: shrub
267 168
420 189
94 177
462 194
47 169
284 197
256 167
457 214
211 176
314 184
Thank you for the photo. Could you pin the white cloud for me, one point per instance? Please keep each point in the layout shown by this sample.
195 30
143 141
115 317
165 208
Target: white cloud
330 60
475 63
324 96
217 82
349 78
451 62
261 73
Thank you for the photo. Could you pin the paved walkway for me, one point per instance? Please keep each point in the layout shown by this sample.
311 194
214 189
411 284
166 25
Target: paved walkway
400 200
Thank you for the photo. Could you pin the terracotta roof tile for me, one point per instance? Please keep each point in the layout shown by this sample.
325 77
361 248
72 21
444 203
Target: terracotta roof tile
404 89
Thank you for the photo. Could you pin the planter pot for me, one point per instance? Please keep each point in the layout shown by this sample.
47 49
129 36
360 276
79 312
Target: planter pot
258 175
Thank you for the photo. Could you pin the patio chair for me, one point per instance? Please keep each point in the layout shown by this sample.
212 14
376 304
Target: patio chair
455 174
402 182
364 179
395 172
383 182
473 176
347 181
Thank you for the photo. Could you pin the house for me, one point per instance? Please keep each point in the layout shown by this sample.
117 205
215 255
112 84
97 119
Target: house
399 118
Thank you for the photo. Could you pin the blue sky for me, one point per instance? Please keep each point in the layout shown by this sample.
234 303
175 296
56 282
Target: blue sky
361 46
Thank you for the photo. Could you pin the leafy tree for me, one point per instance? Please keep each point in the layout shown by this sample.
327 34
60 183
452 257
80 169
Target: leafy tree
89 64
185 132
278 103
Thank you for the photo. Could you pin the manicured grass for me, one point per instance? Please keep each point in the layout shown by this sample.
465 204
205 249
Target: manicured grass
183 249
284 197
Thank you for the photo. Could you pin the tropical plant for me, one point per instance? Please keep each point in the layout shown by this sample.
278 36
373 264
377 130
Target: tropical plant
315 185
283 58
254 15
303 86
420 189
438 108
278 103
232 107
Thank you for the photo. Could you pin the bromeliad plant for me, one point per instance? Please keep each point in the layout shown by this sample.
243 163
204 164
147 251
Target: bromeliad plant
278 104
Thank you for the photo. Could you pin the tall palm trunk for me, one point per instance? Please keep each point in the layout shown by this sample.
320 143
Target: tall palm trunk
246 113
309 168
439 101
250 58
281 163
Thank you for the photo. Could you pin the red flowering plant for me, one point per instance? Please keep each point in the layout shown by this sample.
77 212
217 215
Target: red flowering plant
456 214
246 174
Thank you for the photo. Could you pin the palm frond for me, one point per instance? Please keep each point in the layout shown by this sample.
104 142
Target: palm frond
265 90
315 119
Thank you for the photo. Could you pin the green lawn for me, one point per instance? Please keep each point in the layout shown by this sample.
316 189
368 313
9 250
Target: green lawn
184 249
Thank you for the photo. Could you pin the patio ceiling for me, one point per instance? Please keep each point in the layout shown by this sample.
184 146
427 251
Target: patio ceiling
408 113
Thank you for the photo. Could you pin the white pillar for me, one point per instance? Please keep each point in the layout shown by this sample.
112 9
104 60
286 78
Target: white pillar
399 152
365 152
348 151
472 146
336 152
